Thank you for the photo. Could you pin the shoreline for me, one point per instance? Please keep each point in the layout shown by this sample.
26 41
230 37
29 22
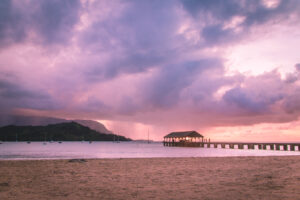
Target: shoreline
118 158
253 177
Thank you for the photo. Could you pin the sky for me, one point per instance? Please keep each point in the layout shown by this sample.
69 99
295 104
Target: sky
227 69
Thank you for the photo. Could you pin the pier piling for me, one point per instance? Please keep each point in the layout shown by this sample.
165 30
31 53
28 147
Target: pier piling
231 145
277 147
292 147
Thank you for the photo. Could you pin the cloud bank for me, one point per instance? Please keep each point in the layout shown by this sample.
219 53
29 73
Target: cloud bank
158 63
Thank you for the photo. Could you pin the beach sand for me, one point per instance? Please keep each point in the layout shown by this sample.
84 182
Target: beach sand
153 178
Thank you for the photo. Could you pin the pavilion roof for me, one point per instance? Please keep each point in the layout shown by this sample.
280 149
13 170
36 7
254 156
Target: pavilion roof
183 134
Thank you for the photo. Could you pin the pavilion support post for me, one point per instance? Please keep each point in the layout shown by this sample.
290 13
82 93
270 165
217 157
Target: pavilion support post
259 146
272 146
285 147
264 146
277 146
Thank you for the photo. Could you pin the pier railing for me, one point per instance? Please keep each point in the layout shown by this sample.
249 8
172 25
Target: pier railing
237 145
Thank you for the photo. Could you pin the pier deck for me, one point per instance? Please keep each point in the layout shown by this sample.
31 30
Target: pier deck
237 145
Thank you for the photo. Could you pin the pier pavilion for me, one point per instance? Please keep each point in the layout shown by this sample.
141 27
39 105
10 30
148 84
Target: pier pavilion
194 139
184 139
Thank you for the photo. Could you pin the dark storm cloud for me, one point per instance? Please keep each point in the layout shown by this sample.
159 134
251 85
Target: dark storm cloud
218 13
124 64
292 103
297 66
11 27
215 34
219 8
163 90
143 37
14 95
52 21
244 101
10 90
254 10
164 47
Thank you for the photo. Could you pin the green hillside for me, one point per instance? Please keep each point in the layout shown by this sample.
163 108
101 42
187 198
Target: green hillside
70 131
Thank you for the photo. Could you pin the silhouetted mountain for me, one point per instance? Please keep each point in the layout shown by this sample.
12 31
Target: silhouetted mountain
20 120
70 131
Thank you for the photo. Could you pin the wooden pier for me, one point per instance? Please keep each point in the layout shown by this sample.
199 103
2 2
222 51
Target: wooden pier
194 139
236 145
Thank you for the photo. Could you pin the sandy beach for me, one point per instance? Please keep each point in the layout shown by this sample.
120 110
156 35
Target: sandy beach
153 178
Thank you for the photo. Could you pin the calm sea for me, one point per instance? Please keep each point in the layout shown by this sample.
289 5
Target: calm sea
55 150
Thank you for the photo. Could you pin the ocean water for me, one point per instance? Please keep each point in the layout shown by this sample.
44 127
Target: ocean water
68 150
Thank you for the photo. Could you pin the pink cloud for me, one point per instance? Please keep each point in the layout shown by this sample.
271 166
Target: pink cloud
148 64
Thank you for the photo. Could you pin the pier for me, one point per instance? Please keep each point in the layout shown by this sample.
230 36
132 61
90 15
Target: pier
194 139
236 145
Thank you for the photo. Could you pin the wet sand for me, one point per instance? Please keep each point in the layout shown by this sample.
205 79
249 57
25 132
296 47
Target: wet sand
153 178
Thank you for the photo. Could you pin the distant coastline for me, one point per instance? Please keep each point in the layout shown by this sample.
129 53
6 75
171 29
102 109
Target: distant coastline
70 131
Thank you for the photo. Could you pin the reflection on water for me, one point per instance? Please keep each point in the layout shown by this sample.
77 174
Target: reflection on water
56 150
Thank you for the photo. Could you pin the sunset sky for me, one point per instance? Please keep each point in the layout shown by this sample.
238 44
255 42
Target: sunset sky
227 69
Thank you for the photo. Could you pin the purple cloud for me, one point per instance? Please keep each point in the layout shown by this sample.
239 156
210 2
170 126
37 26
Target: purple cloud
156 62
